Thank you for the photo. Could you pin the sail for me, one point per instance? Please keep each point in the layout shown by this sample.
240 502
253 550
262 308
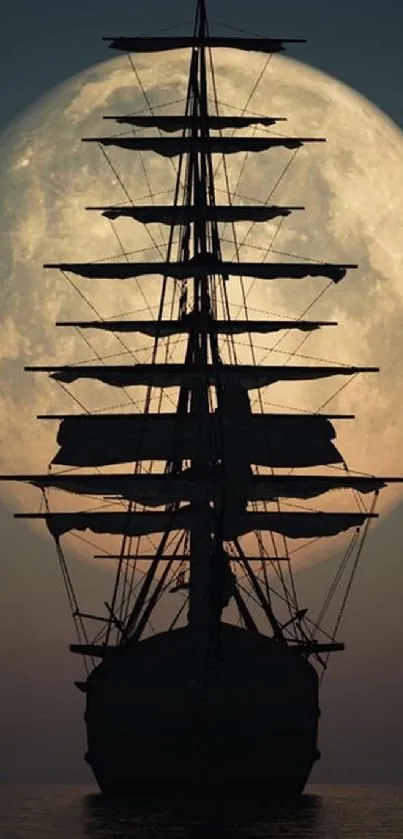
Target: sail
276 440
160 489
293 525
165 328
207 266
180 122
174 146
161 44
248 376
177 215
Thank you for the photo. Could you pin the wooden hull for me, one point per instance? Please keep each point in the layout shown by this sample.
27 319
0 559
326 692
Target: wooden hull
154 728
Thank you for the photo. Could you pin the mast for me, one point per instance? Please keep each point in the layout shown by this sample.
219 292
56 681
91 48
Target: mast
197 187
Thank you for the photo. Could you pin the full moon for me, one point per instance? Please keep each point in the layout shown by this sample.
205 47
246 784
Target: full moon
352 191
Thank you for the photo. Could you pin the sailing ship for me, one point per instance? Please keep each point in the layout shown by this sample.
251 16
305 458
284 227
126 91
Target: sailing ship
209 500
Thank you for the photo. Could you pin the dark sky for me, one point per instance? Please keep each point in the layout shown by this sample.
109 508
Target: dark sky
41 726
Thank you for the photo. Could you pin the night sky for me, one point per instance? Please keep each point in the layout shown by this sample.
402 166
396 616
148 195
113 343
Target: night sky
41 726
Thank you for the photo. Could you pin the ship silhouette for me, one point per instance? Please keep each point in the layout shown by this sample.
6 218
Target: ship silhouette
204 499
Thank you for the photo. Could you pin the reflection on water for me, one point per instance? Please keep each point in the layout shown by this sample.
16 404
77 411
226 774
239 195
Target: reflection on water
200 820
326 812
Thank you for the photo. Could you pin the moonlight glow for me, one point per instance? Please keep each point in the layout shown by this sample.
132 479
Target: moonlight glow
353 196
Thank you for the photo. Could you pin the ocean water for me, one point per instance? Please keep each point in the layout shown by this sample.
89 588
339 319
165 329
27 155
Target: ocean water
78 812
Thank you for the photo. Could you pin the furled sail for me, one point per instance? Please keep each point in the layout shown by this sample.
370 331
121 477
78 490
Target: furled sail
278 440
247 376
165 328
161 44
293 525
207 266
160 489
189 214
172 147
180 122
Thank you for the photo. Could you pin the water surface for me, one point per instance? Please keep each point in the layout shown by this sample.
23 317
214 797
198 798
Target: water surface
79 812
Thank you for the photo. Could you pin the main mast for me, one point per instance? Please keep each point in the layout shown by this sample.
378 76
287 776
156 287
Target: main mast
199 192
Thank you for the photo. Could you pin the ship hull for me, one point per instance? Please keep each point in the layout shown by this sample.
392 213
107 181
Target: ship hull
157 729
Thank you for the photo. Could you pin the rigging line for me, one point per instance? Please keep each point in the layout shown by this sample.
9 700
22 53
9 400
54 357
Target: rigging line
174 572
101 633
129 543
117 176
352 576
170 347
133 585
158 106
275 565
290 408
126 600
364 535
224 293
150 605
71 596
342 387
289 596
113 256
126 192
236 29
102 359
240 245
301 506
179 339
286 597
243 111
247 199
148 398
296 256
351 471
74 398
137 281
307 544
178 615
81 294
149 106
359 501
116 407
130 508
337 579
294 353
267 251
265 603
179 187
269 197
119 315
137 610
97 313
165 29
248 593
306 619
253 356
302 315
88 542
